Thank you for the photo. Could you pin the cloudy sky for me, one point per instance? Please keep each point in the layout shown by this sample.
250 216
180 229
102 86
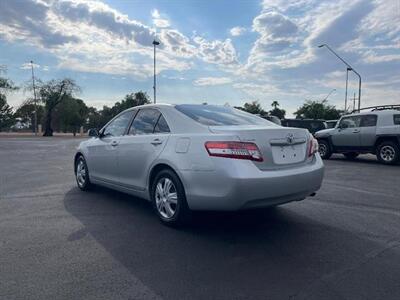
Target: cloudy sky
211 51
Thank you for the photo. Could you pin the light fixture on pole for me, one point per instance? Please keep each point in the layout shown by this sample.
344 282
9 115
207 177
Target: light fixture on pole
351 69
34 97
155 43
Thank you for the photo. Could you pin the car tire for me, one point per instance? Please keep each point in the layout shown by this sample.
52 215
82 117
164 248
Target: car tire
82 174
169 199
388 153
351 155
324 149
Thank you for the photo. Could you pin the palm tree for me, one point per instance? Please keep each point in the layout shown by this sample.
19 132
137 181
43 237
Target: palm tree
275 104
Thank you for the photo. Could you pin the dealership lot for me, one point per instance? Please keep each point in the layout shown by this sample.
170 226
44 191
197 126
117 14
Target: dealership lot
59 242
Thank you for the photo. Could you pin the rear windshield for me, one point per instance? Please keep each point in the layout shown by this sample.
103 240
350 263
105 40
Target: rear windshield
213 115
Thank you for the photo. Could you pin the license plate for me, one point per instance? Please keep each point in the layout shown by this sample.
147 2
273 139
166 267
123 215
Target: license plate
288 154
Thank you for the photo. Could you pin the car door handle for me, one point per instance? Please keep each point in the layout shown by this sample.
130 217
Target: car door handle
156 142
356 130
114 143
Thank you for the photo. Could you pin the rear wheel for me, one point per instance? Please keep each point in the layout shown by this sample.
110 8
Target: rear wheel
388 152
324 149
350 155
168 197
82 174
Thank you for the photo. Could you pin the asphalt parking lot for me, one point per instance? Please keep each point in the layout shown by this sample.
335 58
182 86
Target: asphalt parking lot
57 242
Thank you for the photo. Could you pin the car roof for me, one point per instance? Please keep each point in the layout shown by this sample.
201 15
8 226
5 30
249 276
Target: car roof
308 120
151 105
375 112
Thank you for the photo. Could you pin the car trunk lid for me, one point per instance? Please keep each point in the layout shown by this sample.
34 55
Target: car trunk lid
281 147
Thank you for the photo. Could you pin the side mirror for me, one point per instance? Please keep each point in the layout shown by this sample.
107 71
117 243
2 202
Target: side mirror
93 132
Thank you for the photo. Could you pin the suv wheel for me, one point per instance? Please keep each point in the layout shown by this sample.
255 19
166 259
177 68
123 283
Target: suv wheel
350 155
388 153
168 198
324 149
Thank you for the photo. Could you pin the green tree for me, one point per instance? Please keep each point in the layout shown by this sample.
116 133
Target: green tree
94 118
130 100
275 104
276 111
318 110
26 112
253 107
70 115
52 93
98 118
6 112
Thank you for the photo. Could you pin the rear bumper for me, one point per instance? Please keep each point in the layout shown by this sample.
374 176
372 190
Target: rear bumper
240 185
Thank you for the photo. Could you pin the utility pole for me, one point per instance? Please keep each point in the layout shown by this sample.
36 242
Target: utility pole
354 103
155 43
352 69
34 97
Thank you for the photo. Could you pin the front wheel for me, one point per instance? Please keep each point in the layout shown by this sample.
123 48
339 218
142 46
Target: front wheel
82 174
324 149
388 153
169 200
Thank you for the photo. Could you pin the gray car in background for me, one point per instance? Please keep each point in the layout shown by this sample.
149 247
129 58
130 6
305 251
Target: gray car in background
200 157
376 132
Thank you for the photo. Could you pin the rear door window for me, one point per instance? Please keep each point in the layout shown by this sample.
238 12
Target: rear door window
368 121
161 126
144 122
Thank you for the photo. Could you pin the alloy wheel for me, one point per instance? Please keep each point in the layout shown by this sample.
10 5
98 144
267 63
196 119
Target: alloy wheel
81 173
322 150
388 153
166 198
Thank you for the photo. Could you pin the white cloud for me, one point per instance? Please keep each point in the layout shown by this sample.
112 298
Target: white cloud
159 21
90 36
212 81
28 66
177 43
217 51
237 31
155 14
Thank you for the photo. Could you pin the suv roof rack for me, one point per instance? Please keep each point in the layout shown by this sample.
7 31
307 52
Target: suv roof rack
379 107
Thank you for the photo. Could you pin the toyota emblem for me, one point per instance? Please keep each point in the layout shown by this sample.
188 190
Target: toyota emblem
290 138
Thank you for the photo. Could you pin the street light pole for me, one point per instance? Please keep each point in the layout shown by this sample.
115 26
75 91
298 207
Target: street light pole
347 83
155 43
352 69
326 98
34 97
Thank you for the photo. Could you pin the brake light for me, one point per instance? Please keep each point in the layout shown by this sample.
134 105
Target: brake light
238 150
312 146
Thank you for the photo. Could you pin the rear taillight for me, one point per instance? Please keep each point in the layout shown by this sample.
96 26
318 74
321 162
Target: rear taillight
312 146
238 150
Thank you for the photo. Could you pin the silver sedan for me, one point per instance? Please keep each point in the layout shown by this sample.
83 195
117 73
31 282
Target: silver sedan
200 157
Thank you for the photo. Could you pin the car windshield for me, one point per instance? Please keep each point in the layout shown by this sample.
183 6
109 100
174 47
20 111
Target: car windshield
213 115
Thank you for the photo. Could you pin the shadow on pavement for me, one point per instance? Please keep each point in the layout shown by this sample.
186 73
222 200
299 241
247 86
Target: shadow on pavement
365 158
257 255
